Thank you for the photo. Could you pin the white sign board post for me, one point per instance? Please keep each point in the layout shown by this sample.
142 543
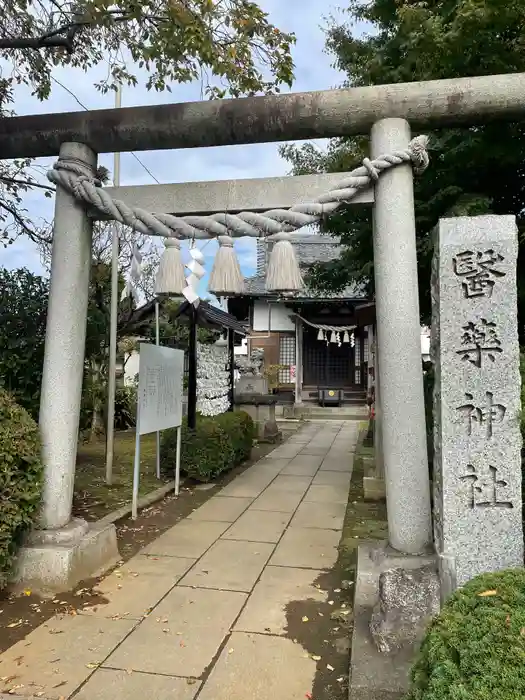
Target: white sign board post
159 403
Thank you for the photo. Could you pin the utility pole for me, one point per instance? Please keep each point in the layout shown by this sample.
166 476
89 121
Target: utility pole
110 430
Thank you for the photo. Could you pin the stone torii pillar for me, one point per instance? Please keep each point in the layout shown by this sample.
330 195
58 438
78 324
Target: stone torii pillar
63 551
400 377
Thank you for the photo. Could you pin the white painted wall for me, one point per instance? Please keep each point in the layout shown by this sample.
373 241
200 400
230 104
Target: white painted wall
261 316
425 342
132 368
241 349
271 317
280 318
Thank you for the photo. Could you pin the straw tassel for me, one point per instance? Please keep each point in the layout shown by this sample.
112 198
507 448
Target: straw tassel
333 337
346 337
170 278
226 277
283 274
320 335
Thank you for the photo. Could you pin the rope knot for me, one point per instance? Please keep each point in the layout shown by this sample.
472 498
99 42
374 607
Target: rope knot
282 236
418 153
225 241
373 172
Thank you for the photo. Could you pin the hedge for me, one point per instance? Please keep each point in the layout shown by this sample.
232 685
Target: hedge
21 476
218 444
475 648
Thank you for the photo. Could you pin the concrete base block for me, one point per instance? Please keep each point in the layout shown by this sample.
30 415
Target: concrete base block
374 675
373 481
374 488
57 560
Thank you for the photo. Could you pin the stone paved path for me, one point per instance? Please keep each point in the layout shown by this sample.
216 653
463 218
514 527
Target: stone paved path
200 613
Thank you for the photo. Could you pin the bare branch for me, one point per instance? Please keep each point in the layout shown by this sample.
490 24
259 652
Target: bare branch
24 183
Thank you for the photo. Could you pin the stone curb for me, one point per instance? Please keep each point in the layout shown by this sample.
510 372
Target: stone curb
143 502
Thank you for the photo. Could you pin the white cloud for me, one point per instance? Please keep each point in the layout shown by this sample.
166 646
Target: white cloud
313 72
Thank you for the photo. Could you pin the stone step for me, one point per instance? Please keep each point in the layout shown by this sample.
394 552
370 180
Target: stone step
315 412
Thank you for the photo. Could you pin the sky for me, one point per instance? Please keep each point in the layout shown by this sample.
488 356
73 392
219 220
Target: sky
313 72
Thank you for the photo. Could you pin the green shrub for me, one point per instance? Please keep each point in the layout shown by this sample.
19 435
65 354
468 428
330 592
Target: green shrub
216 445
475 648
21 475
241 430
125 407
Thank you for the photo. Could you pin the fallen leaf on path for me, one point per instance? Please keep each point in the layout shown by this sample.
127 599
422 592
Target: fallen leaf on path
16 624
59 685
230 651
191 681
19 660
305 619
92 665
166 630
13 690
27 592
337 590
330 602
330 668
316 658
129 671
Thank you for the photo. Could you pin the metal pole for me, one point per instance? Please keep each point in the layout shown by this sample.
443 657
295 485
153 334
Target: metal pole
110 435
177 463
231 356
400 379
192 370
157 339
136 469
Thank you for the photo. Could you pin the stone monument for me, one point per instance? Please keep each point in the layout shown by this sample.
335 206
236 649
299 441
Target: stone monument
477 462
251 380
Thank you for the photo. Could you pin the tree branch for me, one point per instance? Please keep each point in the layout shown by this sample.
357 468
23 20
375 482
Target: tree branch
42 42
53 39
28 183
33 235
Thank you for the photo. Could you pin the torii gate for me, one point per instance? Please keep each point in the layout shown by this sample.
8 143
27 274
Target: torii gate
388 113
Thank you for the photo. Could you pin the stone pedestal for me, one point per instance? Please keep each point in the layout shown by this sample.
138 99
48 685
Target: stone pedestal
477 462
57 560
248 384
394 596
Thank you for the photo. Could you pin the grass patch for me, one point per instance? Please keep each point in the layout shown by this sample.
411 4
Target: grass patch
363 520
93 497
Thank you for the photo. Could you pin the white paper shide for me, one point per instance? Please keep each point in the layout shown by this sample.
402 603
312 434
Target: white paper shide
213 380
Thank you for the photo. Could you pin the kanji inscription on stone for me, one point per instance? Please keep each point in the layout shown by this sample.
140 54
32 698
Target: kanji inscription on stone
475 350
485 416
479 340
478 271
485 492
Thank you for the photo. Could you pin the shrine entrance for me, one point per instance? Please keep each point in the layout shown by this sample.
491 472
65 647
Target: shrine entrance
272 208
332 365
